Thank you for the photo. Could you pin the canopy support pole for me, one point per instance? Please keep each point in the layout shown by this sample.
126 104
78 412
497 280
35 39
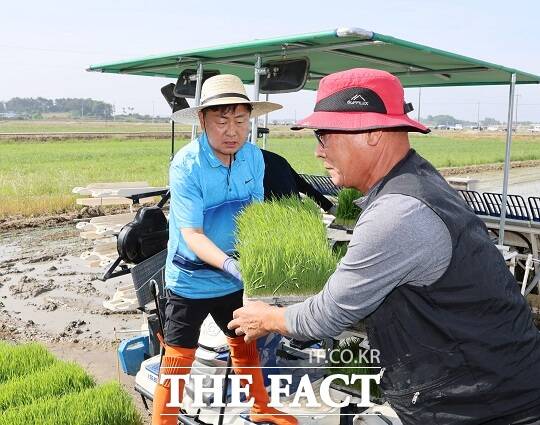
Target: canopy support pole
197 96
172 141
256 81
507 157
265 135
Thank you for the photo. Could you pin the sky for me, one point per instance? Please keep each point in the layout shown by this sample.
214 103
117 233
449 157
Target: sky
45 47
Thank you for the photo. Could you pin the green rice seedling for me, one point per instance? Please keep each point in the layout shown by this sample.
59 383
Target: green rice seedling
347 211
283 248
23 359
55 381
340 249
107 404
354 363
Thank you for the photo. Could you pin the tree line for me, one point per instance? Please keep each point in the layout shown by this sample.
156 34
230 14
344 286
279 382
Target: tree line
434 120
77 107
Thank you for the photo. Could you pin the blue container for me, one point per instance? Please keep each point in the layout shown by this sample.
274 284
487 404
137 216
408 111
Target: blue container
132 352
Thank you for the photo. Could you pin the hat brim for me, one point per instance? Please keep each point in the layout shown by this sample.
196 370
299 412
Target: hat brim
191 115
354 121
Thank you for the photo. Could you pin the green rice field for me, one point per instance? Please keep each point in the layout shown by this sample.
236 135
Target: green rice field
36 177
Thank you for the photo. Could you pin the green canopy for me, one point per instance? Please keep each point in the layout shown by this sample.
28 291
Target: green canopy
416 65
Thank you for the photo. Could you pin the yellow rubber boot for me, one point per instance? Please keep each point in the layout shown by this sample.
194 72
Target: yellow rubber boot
176 361
245 361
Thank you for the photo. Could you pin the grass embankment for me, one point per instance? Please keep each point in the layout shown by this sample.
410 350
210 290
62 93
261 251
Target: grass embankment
36 388
37 177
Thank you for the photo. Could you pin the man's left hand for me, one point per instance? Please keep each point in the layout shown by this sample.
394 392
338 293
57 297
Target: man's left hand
257 319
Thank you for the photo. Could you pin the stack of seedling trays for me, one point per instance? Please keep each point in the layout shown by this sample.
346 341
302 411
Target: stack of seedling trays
102 231
37 388
118 193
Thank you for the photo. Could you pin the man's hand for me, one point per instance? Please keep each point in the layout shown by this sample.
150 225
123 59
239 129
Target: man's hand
258 319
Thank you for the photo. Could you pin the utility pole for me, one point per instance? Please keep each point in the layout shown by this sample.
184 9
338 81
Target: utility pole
478 115
419 98
82 109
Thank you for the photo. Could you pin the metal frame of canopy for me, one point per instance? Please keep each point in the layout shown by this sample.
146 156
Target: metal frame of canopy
414 64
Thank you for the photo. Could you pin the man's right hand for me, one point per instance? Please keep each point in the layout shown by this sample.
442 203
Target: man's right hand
231 266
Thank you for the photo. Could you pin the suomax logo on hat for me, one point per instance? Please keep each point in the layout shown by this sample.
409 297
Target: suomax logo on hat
219 90
360 99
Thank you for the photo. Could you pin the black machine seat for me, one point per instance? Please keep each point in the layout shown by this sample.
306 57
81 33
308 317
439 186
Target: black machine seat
323 184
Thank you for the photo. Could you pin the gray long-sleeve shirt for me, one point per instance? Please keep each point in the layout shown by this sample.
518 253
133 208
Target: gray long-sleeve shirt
398 240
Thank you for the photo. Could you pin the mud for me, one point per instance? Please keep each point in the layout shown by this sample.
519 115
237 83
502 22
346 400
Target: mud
45 287
47 294
23 222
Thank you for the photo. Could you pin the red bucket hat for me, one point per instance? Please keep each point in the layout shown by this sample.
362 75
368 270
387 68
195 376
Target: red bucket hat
360 99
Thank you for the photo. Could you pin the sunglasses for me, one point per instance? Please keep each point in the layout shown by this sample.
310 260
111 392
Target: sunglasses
320 134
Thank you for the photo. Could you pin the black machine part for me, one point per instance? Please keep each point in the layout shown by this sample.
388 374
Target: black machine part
125 246
176 103
284 75
186 84
145 236
261 131
153 330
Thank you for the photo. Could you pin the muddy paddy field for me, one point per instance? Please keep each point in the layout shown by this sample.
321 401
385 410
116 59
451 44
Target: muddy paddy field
49 295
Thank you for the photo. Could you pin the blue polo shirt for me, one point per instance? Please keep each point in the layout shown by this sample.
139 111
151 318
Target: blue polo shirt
206 194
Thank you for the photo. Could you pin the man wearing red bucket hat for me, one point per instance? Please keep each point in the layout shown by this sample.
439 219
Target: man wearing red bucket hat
456 338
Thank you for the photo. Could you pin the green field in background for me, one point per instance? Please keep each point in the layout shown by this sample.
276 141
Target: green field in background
52 126
36 177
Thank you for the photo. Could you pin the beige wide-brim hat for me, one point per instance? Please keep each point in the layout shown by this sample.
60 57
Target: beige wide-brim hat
223 89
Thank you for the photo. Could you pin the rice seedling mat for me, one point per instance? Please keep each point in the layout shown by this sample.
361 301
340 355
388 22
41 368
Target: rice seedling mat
284 249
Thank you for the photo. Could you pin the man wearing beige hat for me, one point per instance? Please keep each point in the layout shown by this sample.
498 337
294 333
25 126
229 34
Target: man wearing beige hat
212 179
456 339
